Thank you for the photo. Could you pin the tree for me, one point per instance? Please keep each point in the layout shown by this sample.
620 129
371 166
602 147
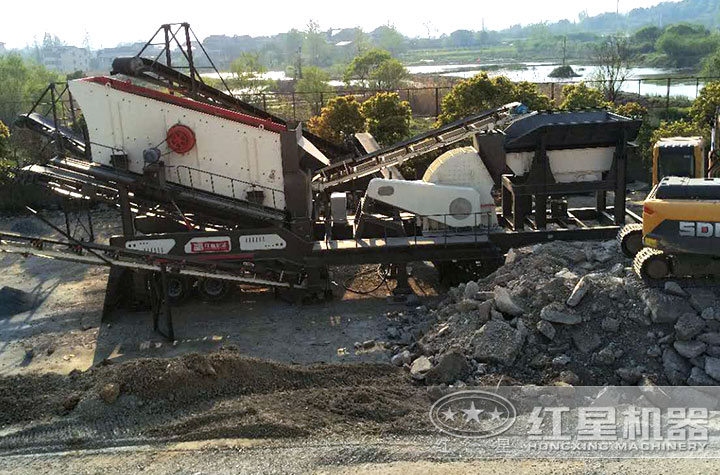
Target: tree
613 58
339 120
685 45
705 107
389 39
481 92
528 94
313 85
387 117
678 128
248 73
21 83
389 75
711 65
4 141
580 96
632 110
315 46
362 67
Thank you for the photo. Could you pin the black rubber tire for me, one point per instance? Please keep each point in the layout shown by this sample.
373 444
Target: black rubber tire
179 288
213 290
630 240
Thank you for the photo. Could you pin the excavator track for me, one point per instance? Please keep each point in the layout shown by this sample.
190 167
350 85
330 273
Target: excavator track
649 265
630 239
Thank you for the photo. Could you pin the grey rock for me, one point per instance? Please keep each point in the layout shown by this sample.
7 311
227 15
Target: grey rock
540 361
673 288
611 325
483 311
579 292
471 289
698 377
629 375
665 308
569 377
466 305
483 296
420 366
712 367
451 367
710 338
654 351
690 349
677 369
392 332
110 392
701 299
397 360
603 256
561 360
586 342
606 356
547 329
551 313
689 326
497 342
713 351
708 314
505 303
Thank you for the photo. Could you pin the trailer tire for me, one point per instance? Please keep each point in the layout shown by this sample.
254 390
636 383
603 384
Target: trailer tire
213 289
179 288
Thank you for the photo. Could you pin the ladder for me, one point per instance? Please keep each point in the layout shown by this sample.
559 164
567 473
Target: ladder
333 176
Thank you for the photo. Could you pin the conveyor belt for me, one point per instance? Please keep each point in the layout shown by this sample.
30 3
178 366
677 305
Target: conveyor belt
109 256
346 171
71 142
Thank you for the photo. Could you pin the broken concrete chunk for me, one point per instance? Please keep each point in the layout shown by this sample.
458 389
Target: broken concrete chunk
471 289
551 313
665 308
452 367
712 367
698 377
677 369
689 349
505 303
689 326
497 342
579 292
110 392
673 288
420 366
546 328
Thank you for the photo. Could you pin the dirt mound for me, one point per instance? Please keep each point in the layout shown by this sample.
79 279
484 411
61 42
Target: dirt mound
568 313
221 394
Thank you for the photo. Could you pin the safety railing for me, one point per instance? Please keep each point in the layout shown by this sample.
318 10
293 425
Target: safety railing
216 182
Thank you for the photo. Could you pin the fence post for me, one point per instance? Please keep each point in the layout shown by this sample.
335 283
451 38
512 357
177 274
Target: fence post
437 102
264 98
552 91
697 87
639 87
293 106
667 98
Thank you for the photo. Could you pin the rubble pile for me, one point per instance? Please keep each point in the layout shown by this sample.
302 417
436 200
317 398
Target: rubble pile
563 313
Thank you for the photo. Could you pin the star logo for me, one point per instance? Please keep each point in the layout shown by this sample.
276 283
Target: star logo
449 414
472 414
495 415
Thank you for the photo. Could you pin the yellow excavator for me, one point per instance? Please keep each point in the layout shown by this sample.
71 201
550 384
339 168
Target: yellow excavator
680 233
681 230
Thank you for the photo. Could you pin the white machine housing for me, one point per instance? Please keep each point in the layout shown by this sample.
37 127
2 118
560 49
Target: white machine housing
568 166
231 156
454 192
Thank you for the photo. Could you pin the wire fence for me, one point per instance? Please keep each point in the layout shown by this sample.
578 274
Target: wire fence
660 93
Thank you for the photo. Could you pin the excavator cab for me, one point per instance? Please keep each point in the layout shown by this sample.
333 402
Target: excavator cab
679 156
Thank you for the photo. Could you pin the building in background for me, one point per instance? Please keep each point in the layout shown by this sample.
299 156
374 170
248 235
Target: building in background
65 59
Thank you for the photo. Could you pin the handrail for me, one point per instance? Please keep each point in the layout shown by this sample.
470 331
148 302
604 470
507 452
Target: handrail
232 181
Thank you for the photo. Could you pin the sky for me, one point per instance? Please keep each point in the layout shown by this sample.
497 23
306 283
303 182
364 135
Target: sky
106 24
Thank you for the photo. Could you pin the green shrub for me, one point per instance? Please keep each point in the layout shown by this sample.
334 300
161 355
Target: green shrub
387 117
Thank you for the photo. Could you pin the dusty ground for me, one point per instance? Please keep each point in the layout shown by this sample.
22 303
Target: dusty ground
307 410
64 331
